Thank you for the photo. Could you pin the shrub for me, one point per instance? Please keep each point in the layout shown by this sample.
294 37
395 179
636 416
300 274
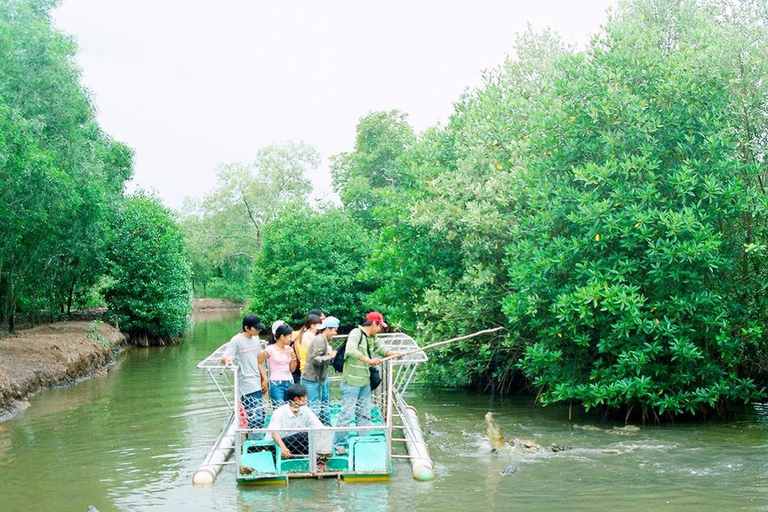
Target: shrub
150 294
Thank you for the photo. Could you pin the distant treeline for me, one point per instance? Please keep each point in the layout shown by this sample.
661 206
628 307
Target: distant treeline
69 236
606 205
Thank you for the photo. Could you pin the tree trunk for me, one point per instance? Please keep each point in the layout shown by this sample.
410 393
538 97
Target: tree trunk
11 303
69 299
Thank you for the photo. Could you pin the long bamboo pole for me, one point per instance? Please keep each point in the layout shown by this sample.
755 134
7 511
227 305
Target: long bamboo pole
439 343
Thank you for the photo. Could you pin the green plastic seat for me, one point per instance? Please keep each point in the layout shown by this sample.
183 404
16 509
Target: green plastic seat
368 454
262 456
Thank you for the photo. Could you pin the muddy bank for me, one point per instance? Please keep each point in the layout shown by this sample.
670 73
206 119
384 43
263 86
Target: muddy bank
217 304
52 355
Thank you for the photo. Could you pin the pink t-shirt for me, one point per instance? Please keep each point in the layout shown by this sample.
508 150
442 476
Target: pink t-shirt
279 363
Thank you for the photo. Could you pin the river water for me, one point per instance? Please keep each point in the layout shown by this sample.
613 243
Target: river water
131 440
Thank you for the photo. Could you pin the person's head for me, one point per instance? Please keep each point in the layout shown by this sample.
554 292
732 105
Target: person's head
312 322
252 325
296 396
275 325
317 312
375 322
282 333
329 327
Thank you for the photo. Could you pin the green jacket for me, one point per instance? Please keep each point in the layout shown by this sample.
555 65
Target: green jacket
358 343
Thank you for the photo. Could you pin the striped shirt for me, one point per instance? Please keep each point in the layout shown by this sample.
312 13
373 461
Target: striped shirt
358 343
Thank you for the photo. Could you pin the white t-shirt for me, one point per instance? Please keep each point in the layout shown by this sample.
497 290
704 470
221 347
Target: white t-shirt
246 351
283 418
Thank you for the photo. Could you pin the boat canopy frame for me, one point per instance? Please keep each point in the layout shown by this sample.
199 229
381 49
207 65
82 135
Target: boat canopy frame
369 450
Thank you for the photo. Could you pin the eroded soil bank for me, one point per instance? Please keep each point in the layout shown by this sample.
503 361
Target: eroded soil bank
63 353
52 355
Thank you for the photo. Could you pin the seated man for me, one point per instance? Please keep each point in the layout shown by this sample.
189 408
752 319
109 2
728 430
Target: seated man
293 414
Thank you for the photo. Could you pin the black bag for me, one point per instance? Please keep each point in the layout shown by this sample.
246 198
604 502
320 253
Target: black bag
338 359
338 365
375 377
297 372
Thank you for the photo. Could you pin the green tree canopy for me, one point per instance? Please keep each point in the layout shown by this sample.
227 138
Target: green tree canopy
629 267
150 290
311 259
374 167
608 207
60 173
224 229
441 254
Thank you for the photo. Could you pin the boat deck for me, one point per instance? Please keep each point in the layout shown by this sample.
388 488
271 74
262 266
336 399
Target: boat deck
366 456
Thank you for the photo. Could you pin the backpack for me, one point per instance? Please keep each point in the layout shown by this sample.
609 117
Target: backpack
338 359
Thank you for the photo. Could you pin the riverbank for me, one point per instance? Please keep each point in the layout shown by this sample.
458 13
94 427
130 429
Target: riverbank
64 353
53 355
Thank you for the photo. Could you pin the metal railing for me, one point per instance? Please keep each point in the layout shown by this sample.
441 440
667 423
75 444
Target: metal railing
255 445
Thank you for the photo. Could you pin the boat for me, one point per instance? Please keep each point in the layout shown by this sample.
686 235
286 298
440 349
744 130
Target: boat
369 453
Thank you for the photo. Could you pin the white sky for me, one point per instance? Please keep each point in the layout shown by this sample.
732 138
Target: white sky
195 83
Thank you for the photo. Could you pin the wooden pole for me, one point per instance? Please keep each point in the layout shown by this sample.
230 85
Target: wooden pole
439 343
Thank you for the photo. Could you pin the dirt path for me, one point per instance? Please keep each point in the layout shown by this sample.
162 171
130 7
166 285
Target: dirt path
52 355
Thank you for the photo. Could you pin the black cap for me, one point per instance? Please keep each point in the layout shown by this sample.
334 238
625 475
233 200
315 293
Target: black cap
251 320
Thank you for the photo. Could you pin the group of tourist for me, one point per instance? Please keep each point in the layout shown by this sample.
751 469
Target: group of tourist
298 378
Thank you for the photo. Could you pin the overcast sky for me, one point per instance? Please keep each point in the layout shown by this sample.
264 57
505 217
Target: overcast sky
195 83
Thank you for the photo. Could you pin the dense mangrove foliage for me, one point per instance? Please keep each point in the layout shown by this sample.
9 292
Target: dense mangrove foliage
320 256
224 229
606 205
68 229
149 286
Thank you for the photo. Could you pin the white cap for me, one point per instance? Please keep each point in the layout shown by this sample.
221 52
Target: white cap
330 321
275 325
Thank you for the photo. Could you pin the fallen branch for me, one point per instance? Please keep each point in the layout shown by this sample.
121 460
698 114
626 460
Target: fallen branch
439 343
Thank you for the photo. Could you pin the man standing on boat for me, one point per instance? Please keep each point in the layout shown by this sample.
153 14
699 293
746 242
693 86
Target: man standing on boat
252 379
362 351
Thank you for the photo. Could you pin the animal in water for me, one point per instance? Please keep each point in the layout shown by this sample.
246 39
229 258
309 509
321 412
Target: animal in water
626 429
525 446
496 439
590 428
509 470
91 508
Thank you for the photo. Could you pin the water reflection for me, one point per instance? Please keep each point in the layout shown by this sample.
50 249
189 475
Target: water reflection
213 315
5 441
332 494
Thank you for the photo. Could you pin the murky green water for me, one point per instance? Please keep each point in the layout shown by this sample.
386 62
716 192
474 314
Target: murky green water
132 439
